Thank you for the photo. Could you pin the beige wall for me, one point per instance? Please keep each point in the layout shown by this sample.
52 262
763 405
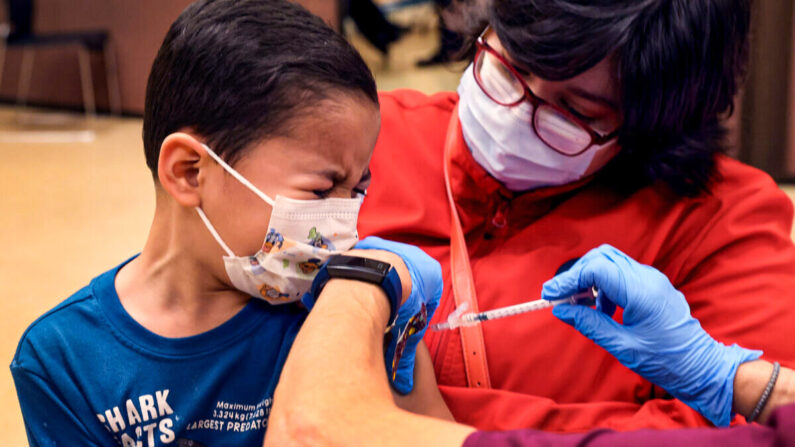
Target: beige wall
137 27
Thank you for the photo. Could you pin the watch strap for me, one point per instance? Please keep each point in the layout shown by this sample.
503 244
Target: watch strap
389 282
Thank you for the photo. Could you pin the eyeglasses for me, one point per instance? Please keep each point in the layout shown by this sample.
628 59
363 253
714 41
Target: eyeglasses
556 127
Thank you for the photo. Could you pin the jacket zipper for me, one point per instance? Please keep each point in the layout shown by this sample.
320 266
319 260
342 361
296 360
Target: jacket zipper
500 218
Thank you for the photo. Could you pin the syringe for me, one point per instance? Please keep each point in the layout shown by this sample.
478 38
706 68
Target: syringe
458 318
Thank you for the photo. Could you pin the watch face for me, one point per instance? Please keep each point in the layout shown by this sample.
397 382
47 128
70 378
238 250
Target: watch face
354 267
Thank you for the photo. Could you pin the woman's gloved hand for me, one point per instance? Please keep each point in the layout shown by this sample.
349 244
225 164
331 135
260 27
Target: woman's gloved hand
415 312
658 339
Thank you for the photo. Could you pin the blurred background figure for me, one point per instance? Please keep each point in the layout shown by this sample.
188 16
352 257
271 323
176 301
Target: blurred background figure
449 41
373 25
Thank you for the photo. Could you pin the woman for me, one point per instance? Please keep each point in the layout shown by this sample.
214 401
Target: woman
579 124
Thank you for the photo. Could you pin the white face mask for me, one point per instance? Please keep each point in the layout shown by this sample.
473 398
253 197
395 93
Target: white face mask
302 234
503 142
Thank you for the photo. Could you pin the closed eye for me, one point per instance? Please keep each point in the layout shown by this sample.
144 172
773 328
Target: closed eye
323 193
364 183
578 115
360 188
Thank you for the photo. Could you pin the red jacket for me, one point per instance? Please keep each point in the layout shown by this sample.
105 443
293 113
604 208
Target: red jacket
728 251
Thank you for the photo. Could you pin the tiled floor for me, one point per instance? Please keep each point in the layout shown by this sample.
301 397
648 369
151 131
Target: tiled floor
69 211
75 204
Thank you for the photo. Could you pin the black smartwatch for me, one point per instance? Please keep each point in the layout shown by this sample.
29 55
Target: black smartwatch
360 269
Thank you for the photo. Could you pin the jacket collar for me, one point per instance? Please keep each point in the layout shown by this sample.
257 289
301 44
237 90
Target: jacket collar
477 193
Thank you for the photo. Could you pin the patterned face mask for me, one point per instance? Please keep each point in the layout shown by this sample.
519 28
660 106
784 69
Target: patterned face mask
302 234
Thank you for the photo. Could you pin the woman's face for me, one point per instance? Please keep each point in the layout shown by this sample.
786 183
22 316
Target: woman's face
591 96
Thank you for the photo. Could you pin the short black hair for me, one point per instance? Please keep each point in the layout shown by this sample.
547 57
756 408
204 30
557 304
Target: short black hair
678 63
238 71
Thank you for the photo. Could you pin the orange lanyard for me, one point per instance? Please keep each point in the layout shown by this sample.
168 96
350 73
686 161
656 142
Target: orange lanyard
463 284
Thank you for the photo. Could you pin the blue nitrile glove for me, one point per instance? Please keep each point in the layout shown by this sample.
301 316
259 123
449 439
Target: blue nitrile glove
659 339
414 314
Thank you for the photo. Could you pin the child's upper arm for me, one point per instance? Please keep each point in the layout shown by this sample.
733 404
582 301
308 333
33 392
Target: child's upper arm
425 398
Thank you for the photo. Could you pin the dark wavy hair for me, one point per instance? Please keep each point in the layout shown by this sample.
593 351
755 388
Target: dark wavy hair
238 71
678 63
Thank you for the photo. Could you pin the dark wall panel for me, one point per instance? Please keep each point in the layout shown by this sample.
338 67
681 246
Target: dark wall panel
137 28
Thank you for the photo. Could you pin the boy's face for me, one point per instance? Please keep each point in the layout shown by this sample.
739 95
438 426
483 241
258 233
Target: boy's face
326 155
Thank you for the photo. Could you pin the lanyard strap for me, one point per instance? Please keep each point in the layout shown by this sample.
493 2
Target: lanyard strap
463 284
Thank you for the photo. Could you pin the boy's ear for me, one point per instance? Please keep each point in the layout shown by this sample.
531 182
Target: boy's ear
179 168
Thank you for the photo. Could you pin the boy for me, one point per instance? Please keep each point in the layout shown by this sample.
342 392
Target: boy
169 347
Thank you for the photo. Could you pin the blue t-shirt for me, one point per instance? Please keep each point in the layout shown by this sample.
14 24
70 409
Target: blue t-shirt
88 374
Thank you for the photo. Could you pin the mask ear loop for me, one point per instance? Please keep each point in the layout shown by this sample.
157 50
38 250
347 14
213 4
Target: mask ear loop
237 176
215 234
